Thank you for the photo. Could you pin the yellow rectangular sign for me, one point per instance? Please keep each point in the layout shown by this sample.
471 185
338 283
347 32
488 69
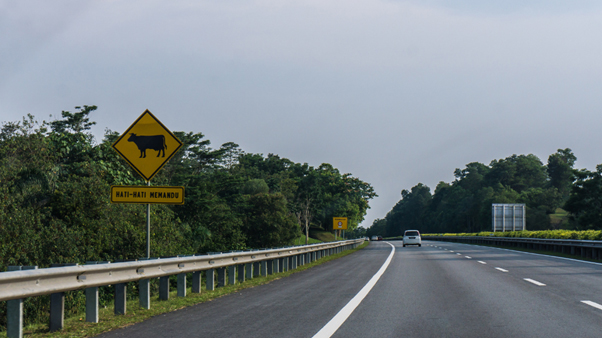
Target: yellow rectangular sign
147 194
339 223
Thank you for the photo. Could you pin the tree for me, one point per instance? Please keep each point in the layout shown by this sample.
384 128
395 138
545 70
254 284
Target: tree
561 172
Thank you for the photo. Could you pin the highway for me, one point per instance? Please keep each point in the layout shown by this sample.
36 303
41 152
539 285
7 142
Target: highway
437 290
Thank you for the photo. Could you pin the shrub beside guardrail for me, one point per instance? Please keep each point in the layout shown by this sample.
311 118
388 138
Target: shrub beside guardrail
22 282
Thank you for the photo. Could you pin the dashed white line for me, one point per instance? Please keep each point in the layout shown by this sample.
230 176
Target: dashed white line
459 254
592 304
502 270
481 262
468 257
451 250
534 282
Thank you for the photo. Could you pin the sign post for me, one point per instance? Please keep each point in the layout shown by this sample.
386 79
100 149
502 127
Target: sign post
146 146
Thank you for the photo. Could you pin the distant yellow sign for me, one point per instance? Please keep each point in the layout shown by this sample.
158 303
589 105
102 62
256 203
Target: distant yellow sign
339 223
147 194
147 145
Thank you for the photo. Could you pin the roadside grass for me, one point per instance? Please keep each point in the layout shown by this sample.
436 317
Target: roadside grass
321 235
559 219
76 326
301 241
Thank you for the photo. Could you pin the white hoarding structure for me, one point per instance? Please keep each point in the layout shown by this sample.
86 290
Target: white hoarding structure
508 217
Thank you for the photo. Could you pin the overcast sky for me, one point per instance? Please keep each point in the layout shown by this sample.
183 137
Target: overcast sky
394 92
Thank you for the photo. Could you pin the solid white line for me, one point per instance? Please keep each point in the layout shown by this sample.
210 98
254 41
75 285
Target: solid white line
502 270
482 262
534 282
333 325
468 257
593 304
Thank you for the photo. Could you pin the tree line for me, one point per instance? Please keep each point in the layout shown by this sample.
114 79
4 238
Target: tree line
55 197
464 205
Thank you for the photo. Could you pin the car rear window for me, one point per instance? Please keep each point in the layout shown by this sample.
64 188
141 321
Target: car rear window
411 233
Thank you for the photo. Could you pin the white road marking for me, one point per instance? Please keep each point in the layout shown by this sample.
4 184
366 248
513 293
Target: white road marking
482 262
451 250
333 325
534 282
502 270
592 304
459 254
468 257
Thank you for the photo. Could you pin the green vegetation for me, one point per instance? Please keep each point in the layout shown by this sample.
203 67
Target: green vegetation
76 326
556 196
545 234
55 200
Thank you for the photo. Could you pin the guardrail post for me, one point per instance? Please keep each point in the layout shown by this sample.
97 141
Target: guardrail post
232 274
196 282
144 293
57 305
210 279
241 273
120 298
285 263
280 264
276 265
264 268
182 285
270 266
249 270
221 277
92 305
92 300
256 269
14 310
294 262
164 288
57 311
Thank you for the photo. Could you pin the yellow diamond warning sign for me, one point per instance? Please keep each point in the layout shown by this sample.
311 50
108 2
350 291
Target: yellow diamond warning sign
147 145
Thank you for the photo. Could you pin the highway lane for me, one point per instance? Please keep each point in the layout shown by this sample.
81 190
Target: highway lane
295 306
457 290
438 290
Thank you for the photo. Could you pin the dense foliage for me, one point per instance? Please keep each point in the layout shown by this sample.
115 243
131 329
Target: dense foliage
464 205
55 198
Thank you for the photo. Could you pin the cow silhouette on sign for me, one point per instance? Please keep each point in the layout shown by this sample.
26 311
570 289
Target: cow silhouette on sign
154 142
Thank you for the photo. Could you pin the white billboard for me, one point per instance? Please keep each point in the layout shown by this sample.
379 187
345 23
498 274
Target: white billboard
508 217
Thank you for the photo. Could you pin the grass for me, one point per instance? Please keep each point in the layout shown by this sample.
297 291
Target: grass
301 241
321 235
559 219
76 326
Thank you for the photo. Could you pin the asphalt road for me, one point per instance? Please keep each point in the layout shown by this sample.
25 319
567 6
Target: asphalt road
438 290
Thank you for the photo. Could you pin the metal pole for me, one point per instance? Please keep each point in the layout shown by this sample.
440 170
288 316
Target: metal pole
148 227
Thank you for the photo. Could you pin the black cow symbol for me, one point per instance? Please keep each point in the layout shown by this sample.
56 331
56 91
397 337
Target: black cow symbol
155 142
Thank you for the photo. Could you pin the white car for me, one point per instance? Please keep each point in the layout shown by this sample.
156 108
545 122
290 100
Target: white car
374 238
412 237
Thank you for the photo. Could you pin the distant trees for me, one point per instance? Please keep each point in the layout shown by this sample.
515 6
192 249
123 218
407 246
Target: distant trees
464 205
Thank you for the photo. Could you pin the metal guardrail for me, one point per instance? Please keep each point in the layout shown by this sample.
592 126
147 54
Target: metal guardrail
584 248
30 283
22 282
